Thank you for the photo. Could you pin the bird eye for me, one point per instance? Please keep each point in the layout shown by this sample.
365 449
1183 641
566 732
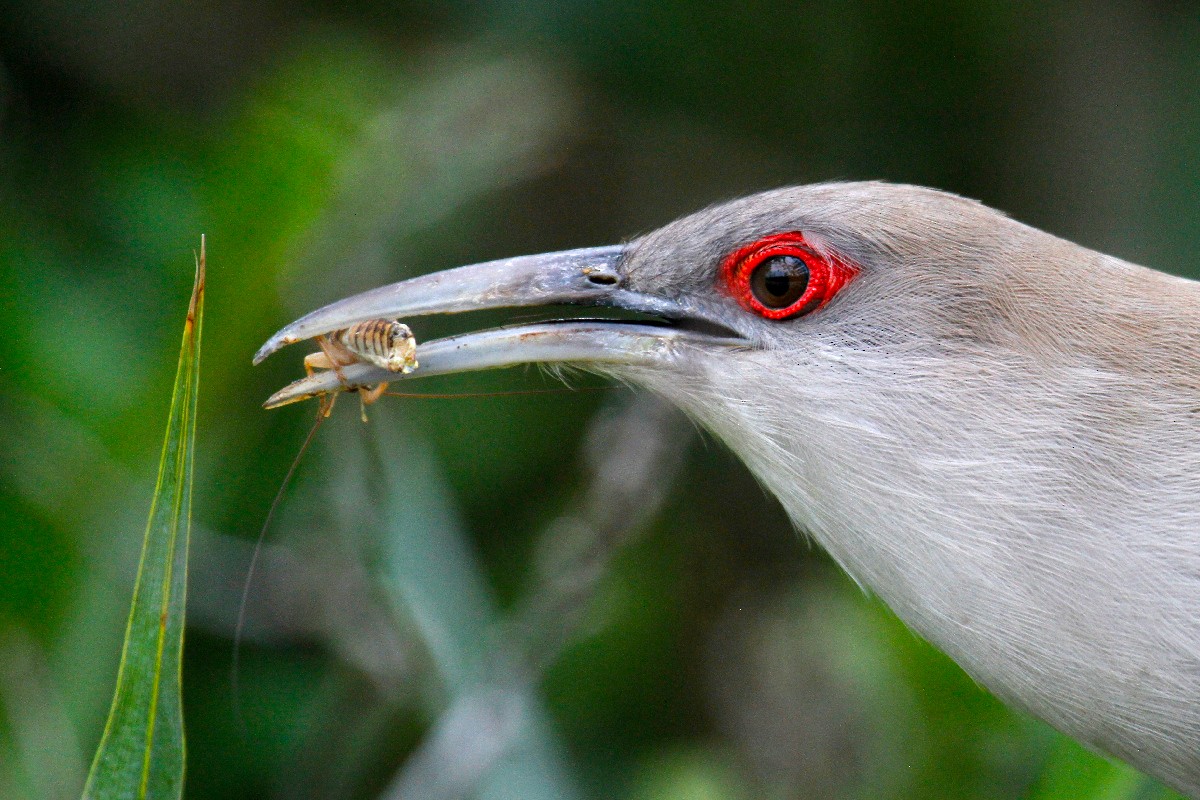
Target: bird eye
782 276
779 281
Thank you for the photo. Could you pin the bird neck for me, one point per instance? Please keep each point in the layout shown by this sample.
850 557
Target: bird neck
1008 507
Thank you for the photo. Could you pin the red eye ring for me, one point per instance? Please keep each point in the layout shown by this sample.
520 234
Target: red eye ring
827 274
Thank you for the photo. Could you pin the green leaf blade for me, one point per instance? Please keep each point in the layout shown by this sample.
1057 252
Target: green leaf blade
141 753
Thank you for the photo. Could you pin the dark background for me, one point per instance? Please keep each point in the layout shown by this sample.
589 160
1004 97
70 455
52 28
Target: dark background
325 148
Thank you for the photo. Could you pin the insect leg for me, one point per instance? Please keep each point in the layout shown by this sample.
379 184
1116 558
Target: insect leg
335 363
316 361
369 396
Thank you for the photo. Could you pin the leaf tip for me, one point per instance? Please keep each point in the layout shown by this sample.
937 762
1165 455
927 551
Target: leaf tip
198 286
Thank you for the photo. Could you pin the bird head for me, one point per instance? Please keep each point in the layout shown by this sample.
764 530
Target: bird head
995 430
770 273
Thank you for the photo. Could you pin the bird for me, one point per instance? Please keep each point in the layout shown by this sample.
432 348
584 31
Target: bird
993 429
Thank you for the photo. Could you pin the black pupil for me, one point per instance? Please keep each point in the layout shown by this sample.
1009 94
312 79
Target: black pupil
779 281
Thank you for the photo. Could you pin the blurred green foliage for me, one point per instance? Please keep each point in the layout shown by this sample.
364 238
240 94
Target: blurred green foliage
325 148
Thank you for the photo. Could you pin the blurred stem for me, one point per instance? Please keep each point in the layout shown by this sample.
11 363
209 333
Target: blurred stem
632 455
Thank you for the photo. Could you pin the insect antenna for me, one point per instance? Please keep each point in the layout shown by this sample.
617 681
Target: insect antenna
515 393
239 628
323 409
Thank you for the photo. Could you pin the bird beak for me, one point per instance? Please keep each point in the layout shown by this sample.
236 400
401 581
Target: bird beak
590 277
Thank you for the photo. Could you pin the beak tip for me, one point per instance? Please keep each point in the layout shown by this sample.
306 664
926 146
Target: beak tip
272 344
281 398
263 352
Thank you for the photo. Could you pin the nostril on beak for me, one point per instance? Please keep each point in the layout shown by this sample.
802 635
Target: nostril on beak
602 278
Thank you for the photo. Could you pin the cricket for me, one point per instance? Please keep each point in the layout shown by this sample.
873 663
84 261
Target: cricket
388 344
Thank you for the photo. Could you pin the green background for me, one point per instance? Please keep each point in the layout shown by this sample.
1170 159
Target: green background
325 148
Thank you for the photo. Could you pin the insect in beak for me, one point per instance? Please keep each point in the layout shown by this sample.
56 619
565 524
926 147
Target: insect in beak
387 344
